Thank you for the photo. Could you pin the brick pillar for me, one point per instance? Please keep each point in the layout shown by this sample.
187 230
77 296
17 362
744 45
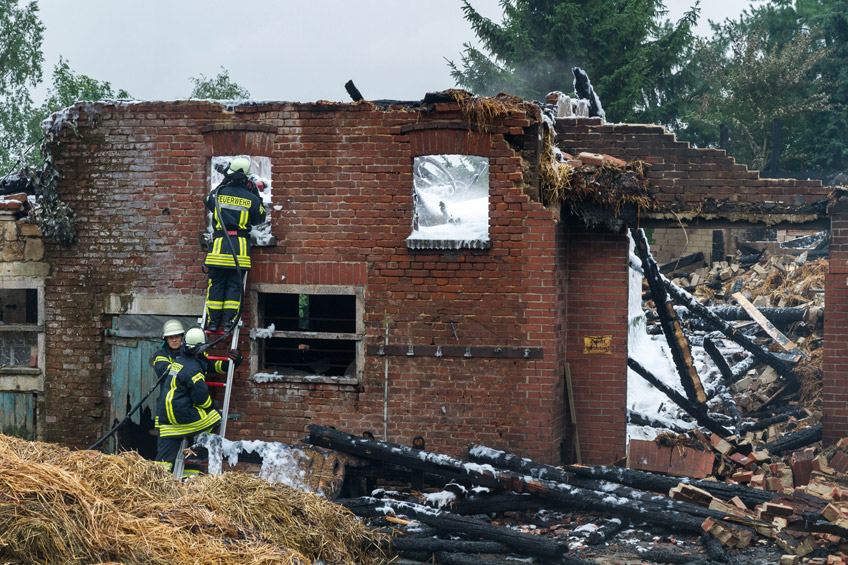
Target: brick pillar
597 290
835 361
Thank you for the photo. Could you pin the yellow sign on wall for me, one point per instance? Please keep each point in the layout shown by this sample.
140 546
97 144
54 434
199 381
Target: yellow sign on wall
597 344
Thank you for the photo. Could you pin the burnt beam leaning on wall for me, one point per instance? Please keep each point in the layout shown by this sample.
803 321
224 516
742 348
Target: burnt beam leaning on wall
455 351
677 342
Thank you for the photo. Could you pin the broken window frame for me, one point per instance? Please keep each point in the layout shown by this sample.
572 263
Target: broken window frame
418 239
257 345
25 328
258 162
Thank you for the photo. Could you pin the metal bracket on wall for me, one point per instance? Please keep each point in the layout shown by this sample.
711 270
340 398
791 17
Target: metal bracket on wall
455 351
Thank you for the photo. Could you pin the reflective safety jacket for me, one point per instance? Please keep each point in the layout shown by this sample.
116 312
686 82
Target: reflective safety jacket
186 407
240 209
162 360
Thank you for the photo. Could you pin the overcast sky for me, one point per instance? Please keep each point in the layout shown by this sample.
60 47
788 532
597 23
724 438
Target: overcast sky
283 50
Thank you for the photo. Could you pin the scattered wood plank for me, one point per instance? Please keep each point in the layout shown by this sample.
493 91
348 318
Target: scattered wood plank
730 406
741 368
606 531
778 316
534 469
505 502
572 411
640 419
674 556
763 356
764 323
763 423
354 93
463 559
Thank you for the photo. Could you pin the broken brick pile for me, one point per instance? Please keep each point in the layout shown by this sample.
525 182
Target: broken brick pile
810 508
813 485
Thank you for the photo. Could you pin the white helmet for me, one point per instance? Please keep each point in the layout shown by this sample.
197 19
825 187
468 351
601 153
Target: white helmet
194 339
172 327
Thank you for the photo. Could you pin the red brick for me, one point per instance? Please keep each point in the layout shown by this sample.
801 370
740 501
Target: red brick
839 461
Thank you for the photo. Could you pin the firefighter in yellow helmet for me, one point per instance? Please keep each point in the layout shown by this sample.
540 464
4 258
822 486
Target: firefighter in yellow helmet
236 207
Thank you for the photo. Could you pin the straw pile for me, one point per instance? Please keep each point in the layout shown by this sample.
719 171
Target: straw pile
795 287
62 506
482 111
609 186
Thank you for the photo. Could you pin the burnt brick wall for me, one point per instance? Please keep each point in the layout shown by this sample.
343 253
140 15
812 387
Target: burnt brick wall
682 177
342 208
835 361
597 298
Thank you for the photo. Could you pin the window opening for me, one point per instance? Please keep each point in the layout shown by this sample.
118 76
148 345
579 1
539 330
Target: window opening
451 199
19 328
314 334
261 171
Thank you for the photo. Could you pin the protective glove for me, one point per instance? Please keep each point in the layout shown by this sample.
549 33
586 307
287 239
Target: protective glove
235 356
216 405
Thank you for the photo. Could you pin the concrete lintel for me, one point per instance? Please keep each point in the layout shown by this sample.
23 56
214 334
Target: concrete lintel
174 304
29 269
11 380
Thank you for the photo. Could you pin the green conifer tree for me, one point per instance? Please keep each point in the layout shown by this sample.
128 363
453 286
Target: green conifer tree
633 58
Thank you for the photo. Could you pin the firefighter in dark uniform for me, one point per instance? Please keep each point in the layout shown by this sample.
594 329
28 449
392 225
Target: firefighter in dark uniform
185 408
236 207
173 334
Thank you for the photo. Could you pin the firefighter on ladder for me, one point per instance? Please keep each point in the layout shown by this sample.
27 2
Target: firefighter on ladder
173 334
236 207
185 407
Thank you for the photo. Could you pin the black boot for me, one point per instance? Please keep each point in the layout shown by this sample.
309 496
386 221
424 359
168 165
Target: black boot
212 326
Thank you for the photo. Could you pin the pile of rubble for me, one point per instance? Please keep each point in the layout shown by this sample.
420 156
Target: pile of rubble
496 505
752 330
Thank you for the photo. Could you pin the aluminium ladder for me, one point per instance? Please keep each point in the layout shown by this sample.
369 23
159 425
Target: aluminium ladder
179 465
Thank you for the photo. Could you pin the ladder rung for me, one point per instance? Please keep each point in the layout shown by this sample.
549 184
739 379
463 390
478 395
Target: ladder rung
216 384
216 358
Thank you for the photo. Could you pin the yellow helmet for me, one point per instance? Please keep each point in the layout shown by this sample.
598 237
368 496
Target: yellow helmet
239 166
194 338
